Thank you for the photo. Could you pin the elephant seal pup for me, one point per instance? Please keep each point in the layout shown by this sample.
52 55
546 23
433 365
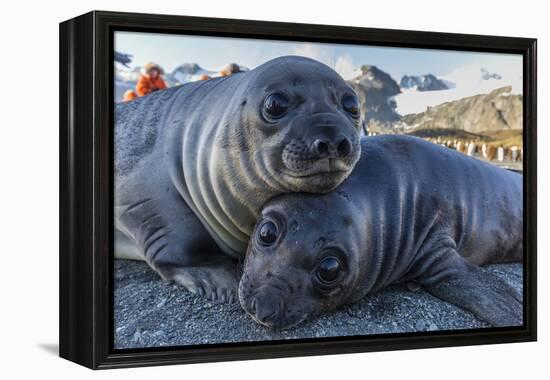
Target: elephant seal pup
195 163
411 211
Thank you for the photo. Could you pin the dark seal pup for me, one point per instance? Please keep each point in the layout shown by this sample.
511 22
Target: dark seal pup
195 164
411 211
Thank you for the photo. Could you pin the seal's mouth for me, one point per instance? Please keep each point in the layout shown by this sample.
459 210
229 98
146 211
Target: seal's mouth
268 304
278 324
276 318
319 166
322 167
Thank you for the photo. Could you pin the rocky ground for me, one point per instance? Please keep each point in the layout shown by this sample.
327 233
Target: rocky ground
152 313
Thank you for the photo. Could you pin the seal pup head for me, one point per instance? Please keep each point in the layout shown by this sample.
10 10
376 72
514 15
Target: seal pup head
303 258
302 124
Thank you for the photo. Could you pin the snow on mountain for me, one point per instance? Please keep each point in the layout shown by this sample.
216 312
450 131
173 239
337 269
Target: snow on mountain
376 90
127 75
469 80
190 72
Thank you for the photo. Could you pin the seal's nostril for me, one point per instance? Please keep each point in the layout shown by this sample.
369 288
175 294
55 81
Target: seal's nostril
344 148
321 147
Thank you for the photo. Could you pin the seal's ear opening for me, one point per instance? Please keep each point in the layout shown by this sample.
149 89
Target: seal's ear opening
350 104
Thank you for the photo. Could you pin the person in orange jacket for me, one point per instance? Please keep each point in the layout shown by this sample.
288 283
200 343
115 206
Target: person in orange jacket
150 81
129 95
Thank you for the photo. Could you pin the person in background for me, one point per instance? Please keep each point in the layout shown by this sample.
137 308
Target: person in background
230 69
150 81
204 77
129 95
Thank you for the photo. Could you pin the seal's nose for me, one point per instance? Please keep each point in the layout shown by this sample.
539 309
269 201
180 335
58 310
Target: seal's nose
267 308
321 147
325 147
343 148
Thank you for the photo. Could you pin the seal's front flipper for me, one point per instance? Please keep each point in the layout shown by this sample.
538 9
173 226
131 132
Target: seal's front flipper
126 247
216 279
487 296
175 244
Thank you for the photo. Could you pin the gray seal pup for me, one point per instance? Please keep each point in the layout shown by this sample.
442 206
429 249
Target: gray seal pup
411 211
194 164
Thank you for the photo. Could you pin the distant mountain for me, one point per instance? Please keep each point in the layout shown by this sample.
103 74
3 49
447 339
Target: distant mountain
188 68
189 72
464 81
428 82
495 111
376 90
486 75
123 58
130 75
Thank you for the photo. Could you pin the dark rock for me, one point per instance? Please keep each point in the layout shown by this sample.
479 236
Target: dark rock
376 90
428 82
486 75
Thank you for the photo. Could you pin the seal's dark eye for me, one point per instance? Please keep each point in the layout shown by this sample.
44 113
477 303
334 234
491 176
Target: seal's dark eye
276 105
328 270
350 103
268 233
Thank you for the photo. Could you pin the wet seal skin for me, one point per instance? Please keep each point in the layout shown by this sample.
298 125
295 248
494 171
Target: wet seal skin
411 212
195 163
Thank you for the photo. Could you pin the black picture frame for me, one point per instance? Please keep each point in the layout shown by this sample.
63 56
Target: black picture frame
86 191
